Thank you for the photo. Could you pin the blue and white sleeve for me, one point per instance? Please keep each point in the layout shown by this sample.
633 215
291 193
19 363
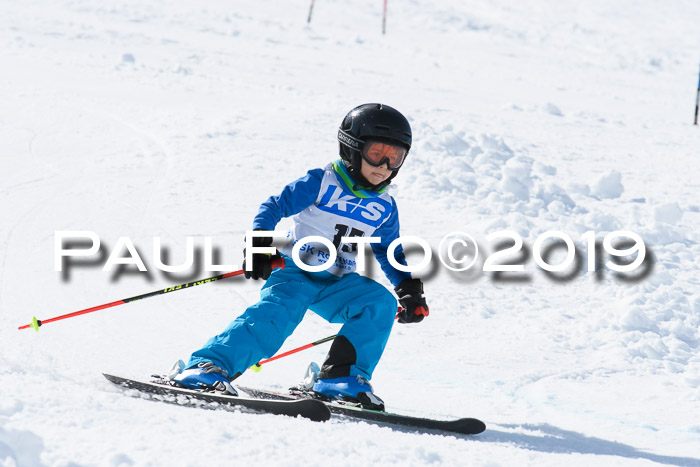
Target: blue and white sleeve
388 232
295 197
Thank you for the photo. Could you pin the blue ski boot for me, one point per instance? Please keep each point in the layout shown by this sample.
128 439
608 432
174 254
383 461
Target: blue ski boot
349 388
206 376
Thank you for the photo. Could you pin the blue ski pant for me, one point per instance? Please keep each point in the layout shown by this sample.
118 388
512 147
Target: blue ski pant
365 307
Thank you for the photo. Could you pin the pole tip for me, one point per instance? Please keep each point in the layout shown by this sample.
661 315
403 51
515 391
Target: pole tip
35 324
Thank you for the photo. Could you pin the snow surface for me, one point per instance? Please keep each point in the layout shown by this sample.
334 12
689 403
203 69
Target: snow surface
172 119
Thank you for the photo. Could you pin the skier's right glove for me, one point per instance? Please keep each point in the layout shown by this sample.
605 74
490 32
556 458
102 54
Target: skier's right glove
415 308
262 262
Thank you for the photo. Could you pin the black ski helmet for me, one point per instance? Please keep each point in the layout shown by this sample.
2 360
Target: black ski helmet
375 122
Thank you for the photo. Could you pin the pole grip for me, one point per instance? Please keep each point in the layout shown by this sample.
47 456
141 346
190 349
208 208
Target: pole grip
277 263
422 310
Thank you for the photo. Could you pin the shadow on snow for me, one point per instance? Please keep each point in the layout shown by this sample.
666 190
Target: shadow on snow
555 440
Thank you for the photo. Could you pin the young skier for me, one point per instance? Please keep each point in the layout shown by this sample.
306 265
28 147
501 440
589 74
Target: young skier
348 198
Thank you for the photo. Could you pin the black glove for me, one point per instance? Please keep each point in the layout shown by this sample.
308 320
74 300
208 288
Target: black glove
262 262
410 293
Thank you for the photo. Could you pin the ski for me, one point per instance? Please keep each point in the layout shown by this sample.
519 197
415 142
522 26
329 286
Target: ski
465 426
160 389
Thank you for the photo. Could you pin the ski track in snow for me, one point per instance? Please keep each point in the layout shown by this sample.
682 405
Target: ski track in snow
170 119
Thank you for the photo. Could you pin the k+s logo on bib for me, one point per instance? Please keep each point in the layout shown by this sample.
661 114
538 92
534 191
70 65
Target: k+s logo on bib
371 211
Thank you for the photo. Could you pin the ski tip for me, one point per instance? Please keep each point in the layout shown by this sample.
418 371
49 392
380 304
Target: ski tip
111 378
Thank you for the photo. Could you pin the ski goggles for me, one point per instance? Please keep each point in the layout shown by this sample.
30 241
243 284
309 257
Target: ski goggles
378 153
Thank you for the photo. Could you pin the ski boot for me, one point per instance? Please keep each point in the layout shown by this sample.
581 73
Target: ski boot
355 389
206 376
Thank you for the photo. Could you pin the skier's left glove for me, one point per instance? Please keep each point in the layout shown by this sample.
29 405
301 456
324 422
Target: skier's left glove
415 308
262 262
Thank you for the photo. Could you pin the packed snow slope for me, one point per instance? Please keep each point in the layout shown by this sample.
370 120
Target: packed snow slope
176 119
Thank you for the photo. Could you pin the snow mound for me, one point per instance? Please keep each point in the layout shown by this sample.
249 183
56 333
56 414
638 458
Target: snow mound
20 448
668 213
608 185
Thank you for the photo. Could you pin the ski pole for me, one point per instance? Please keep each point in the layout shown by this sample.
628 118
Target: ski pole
257 367
36 323
384 19
697 101
311 9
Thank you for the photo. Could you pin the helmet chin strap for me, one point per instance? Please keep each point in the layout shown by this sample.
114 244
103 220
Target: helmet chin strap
361 181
